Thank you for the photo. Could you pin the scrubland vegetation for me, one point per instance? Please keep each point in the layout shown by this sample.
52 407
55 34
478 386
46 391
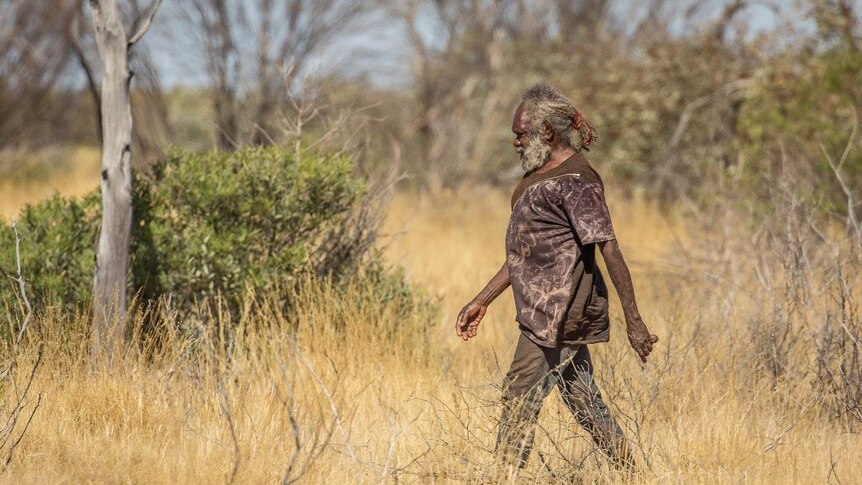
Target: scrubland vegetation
748 385
303 241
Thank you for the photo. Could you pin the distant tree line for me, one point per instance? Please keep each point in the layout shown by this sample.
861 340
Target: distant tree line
684 94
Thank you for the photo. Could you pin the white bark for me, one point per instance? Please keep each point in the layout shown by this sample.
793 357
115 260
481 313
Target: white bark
112 256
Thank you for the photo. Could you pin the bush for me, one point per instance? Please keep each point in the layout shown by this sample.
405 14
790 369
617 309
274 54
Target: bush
58 251
210 224
803 109
207 225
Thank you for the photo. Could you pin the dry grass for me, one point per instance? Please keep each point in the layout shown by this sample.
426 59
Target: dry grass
376 402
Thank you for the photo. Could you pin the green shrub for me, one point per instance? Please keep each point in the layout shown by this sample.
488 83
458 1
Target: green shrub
210 224
58 251
207 225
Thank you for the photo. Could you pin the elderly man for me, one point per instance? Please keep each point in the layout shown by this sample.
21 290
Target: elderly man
558 217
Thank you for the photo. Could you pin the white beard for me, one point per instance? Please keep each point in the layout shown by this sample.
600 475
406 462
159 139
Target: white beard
535 155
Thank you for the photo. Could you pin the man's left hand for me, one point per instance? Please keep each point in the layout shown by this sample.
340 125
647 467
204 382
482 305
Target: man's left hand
640 339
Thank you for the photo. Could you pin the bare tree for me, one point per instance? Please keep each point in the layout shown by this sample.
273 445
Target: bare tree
112 256
253 52
34 46
214 29
464 81
50 76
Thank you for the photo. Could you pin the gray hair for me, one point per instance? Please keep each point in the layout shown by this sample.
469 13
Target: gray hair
544 103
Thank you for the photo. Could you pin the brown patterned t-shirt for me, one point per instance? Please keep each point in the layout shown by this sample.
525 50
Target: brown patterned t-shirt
557 217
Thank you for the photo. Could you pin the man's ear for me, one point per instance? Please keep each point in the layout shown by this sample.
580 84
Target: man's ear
547 132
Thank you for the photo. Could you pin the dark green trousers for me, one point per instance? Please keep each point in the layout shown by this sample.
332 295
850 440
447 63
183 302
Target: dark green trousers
534 372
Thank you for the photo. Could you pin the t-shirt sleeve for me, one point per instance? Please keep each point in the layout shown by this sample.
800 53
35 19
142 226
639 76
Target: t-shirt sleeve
588 213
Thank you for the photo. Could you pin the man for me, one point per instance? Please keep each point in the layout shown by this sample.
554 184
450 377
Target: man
559 216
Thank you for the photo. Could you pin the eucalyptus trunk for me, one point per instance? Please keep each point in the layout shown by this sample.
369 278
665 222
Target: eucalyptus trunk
112 255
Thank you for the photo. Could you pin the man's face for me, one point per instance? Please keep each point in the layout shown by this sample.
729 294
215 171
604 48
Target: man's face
534 152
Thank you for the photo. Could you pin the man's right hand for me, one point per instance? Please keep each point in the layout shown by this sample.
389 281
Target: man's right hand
468 320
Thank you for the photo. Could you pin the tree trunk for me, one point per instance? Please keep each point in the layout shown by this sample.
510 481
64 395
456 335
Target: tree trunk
112 256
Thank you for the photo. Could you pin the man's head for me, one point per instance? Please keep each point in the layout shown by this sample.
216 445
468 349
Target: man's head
544 122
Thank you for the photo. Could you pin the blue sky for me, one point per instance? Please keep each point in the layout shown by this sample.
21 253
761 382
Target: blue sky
376 49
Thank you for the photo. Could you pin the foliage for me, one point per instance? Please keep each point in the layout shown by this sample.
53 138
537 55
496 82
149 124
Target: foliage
804 108
208 226
58 251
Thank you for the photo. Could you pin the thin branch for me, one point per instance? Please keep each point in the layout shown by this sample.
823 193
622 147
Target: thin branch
89 72
852 138
332 405
690 108
145 24
225 408
774 442
21 285
22 290
23 432
852 222
19 403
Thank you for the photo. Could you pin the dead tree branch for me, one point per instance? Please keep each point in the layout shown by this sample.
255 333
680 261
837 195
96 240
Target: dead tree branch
18 279
144 22
852 221
9 438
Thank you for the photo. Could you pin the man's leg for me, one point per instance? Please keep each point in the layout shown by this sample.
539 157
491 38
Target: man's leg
526 385
581 395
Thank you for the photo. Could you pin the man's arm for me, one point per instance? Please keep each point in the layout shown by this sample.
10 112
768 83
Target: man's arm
639 335
469 317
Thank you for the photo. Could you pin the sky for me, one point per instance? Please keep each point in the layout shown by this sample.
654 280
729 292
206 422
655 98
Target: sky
375 50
